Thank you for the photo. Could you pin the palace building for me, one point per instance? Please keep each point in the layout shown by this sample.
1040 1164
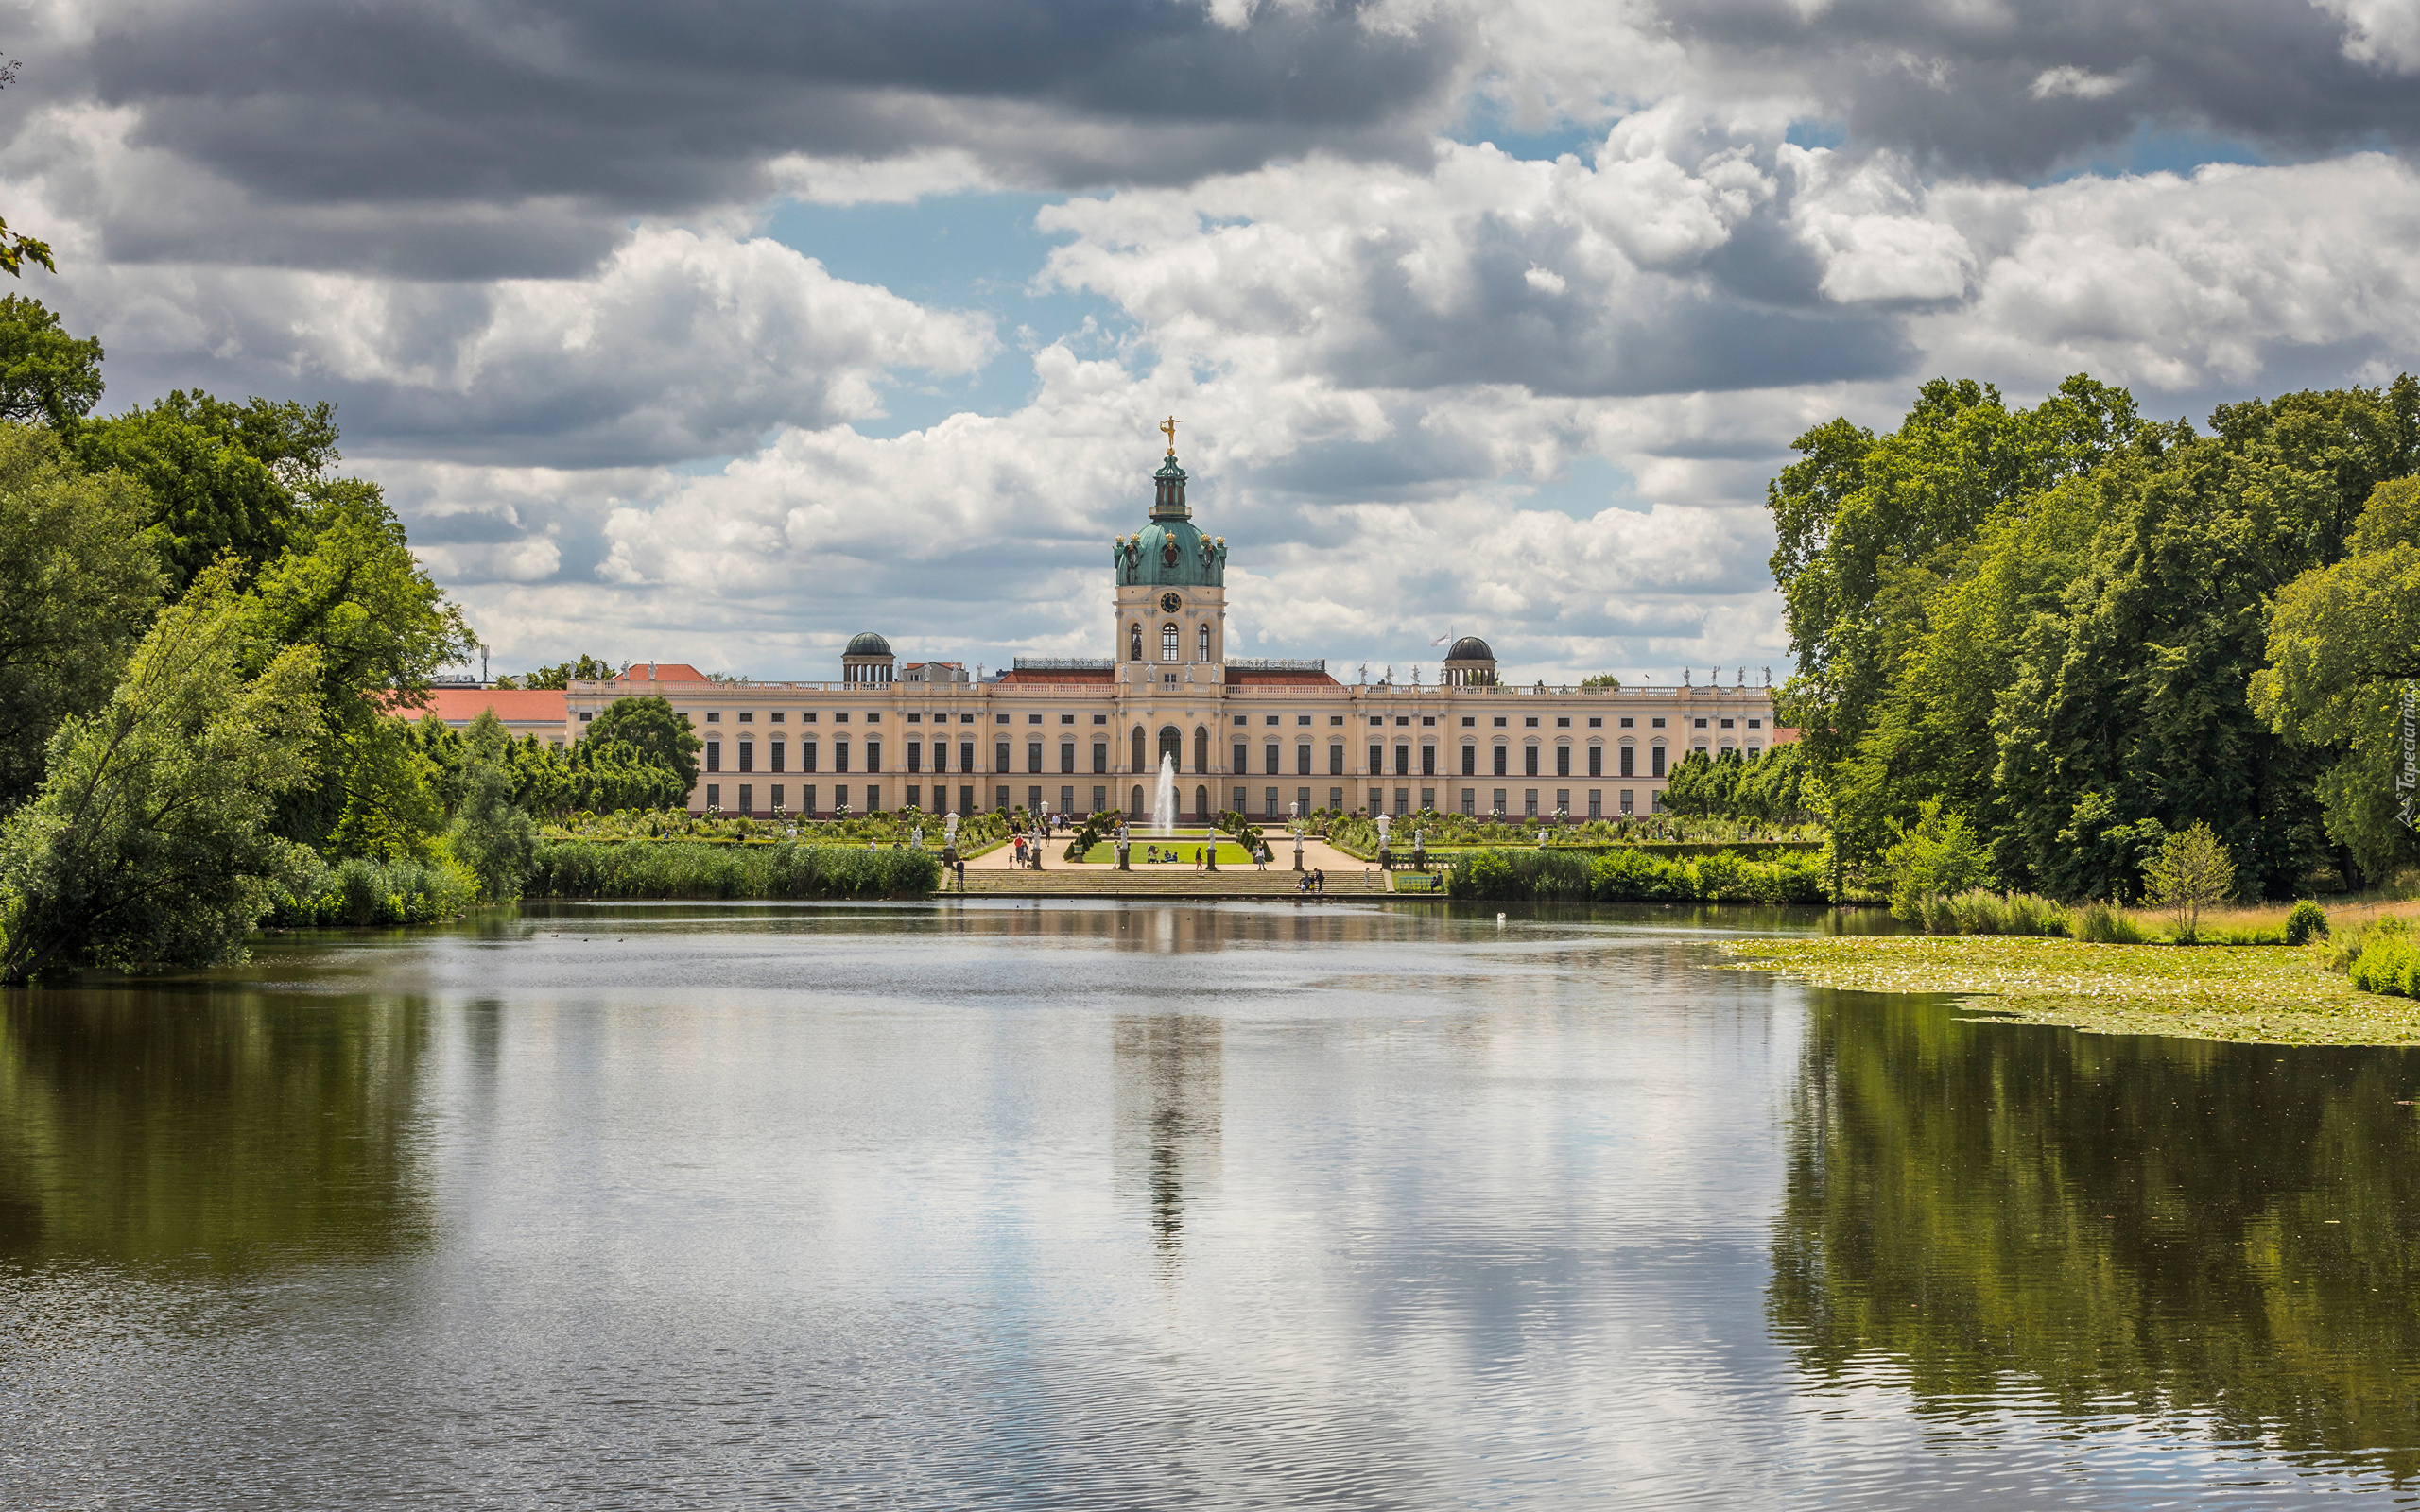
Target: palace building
1266 737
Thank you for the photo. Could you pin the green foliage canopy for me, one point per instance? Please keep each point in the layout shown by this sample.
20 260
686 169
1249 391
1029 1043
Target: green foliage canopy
46 376
651 726
78 584
148 844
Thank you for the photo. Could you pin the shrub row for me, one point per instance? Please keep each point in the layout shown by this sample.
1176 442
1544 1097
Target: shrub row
1631 875
584 868
360 892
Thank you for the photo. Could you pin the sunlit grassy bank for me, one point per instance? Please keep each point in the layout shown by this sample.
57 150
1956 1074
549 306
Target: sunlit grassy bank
2269 993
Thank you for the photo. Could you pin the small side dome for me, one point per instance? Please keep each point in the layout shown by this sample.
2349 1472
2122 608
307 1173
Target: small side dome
1470 648
865 642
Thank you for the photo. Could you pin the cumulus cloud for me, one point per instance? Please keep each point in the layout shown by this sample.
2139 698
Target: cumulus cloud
1536 395
681 345
2384 32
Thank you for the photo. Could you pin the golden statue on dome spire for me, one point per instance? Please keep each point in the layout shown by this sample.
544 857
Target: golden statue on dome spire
1170 428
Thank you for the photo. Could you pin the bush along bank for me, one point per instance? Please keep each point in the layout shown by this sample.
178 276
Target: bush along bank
360 892
1631 875
582 868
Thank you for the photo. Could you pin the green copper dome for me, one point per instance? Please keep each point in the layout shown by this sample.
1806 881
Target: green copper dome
865 642
1170 550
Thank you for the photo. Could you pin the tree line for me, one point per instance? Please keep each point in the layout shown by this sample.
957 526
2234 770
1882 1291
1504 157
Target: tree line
214 649
2073 632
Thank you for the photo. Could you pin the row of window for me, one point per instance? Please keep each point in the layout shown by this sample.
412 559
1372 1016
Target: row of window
810 753
1273 801
1171 641
1468 721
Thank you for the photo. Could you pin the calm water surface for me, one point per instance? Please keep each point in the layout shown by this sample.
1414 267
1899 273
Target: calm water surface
1211 1205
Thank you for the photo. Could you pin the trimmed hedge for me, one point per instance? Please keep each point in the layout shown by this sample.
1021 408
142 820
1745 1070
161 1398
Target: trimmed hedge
640 869
1631 875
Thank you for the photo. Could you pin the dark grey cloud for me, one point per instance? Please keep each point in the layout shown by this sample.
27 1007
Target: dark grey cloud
1962 87
384 135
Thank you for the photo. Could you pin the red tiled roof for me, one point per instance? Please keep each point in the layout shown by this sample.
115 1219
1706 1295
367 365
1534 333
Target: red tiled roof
1784 735
514 706
1058 675
1298 679
664 672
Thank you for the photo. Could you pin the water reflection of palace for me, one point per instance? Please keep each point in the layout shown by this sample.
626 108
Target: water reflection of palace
1168 1098
1252 735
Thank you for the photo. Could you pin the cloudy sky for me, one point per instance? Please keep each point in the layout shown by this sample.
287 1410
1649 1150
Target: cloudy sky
714 333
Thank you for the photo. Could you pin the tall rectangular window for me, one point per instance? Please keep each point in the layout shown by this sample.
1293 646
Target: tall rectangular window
777 797
1000 762
747 796
714 755
1596 803
915 755
807 800
1336 760
1033 760
915 797
1529 760
1268 759
1335 800
1470 804
1377 762
1470 760
1562 760
966 764
777 755
1596 761
714 794
747 757
807 756
1067 757
1529 804
966 798
1101 762
874 755
1428 761
1502 754
1499 808
1302 764
1629 755
1243 765
839 755
1403 761
1655 762
1626 800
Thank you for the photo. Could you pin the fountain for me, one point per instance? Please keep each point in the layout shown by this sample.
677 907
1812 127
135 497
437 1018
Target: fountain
1164 797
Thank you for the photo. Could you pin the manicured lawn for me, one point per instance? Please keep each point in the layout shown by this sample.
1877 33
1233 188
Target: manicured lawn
1105 854
2275 995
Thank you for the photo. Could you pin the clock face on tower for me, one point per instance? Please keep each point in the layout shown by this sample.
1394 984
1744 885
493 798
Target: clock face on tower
1169 603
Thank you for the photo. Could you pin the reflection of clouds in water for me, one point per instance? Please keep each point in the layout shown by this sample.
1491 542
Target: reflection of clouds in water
1078 1206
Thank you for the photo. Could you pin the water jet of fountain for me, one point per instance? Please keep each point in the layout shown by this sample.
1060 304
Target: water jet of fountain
1164 797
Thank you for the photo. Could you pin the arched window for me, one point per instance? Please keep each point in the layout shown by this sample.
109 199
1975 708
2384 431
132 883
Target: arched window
1168 642
1134 644
1200 748
1138 749
1205 644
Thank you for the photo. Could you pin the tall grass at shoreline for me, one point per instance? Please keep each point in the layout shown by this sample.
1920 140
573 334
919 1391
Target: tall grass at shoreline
582 868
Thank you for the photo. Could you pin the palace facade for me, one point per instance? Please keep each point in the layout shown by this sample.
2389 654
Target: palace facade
1264 737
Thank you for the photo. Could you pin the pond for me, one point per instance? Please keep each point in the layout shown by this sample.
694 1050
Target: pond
1227 1205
